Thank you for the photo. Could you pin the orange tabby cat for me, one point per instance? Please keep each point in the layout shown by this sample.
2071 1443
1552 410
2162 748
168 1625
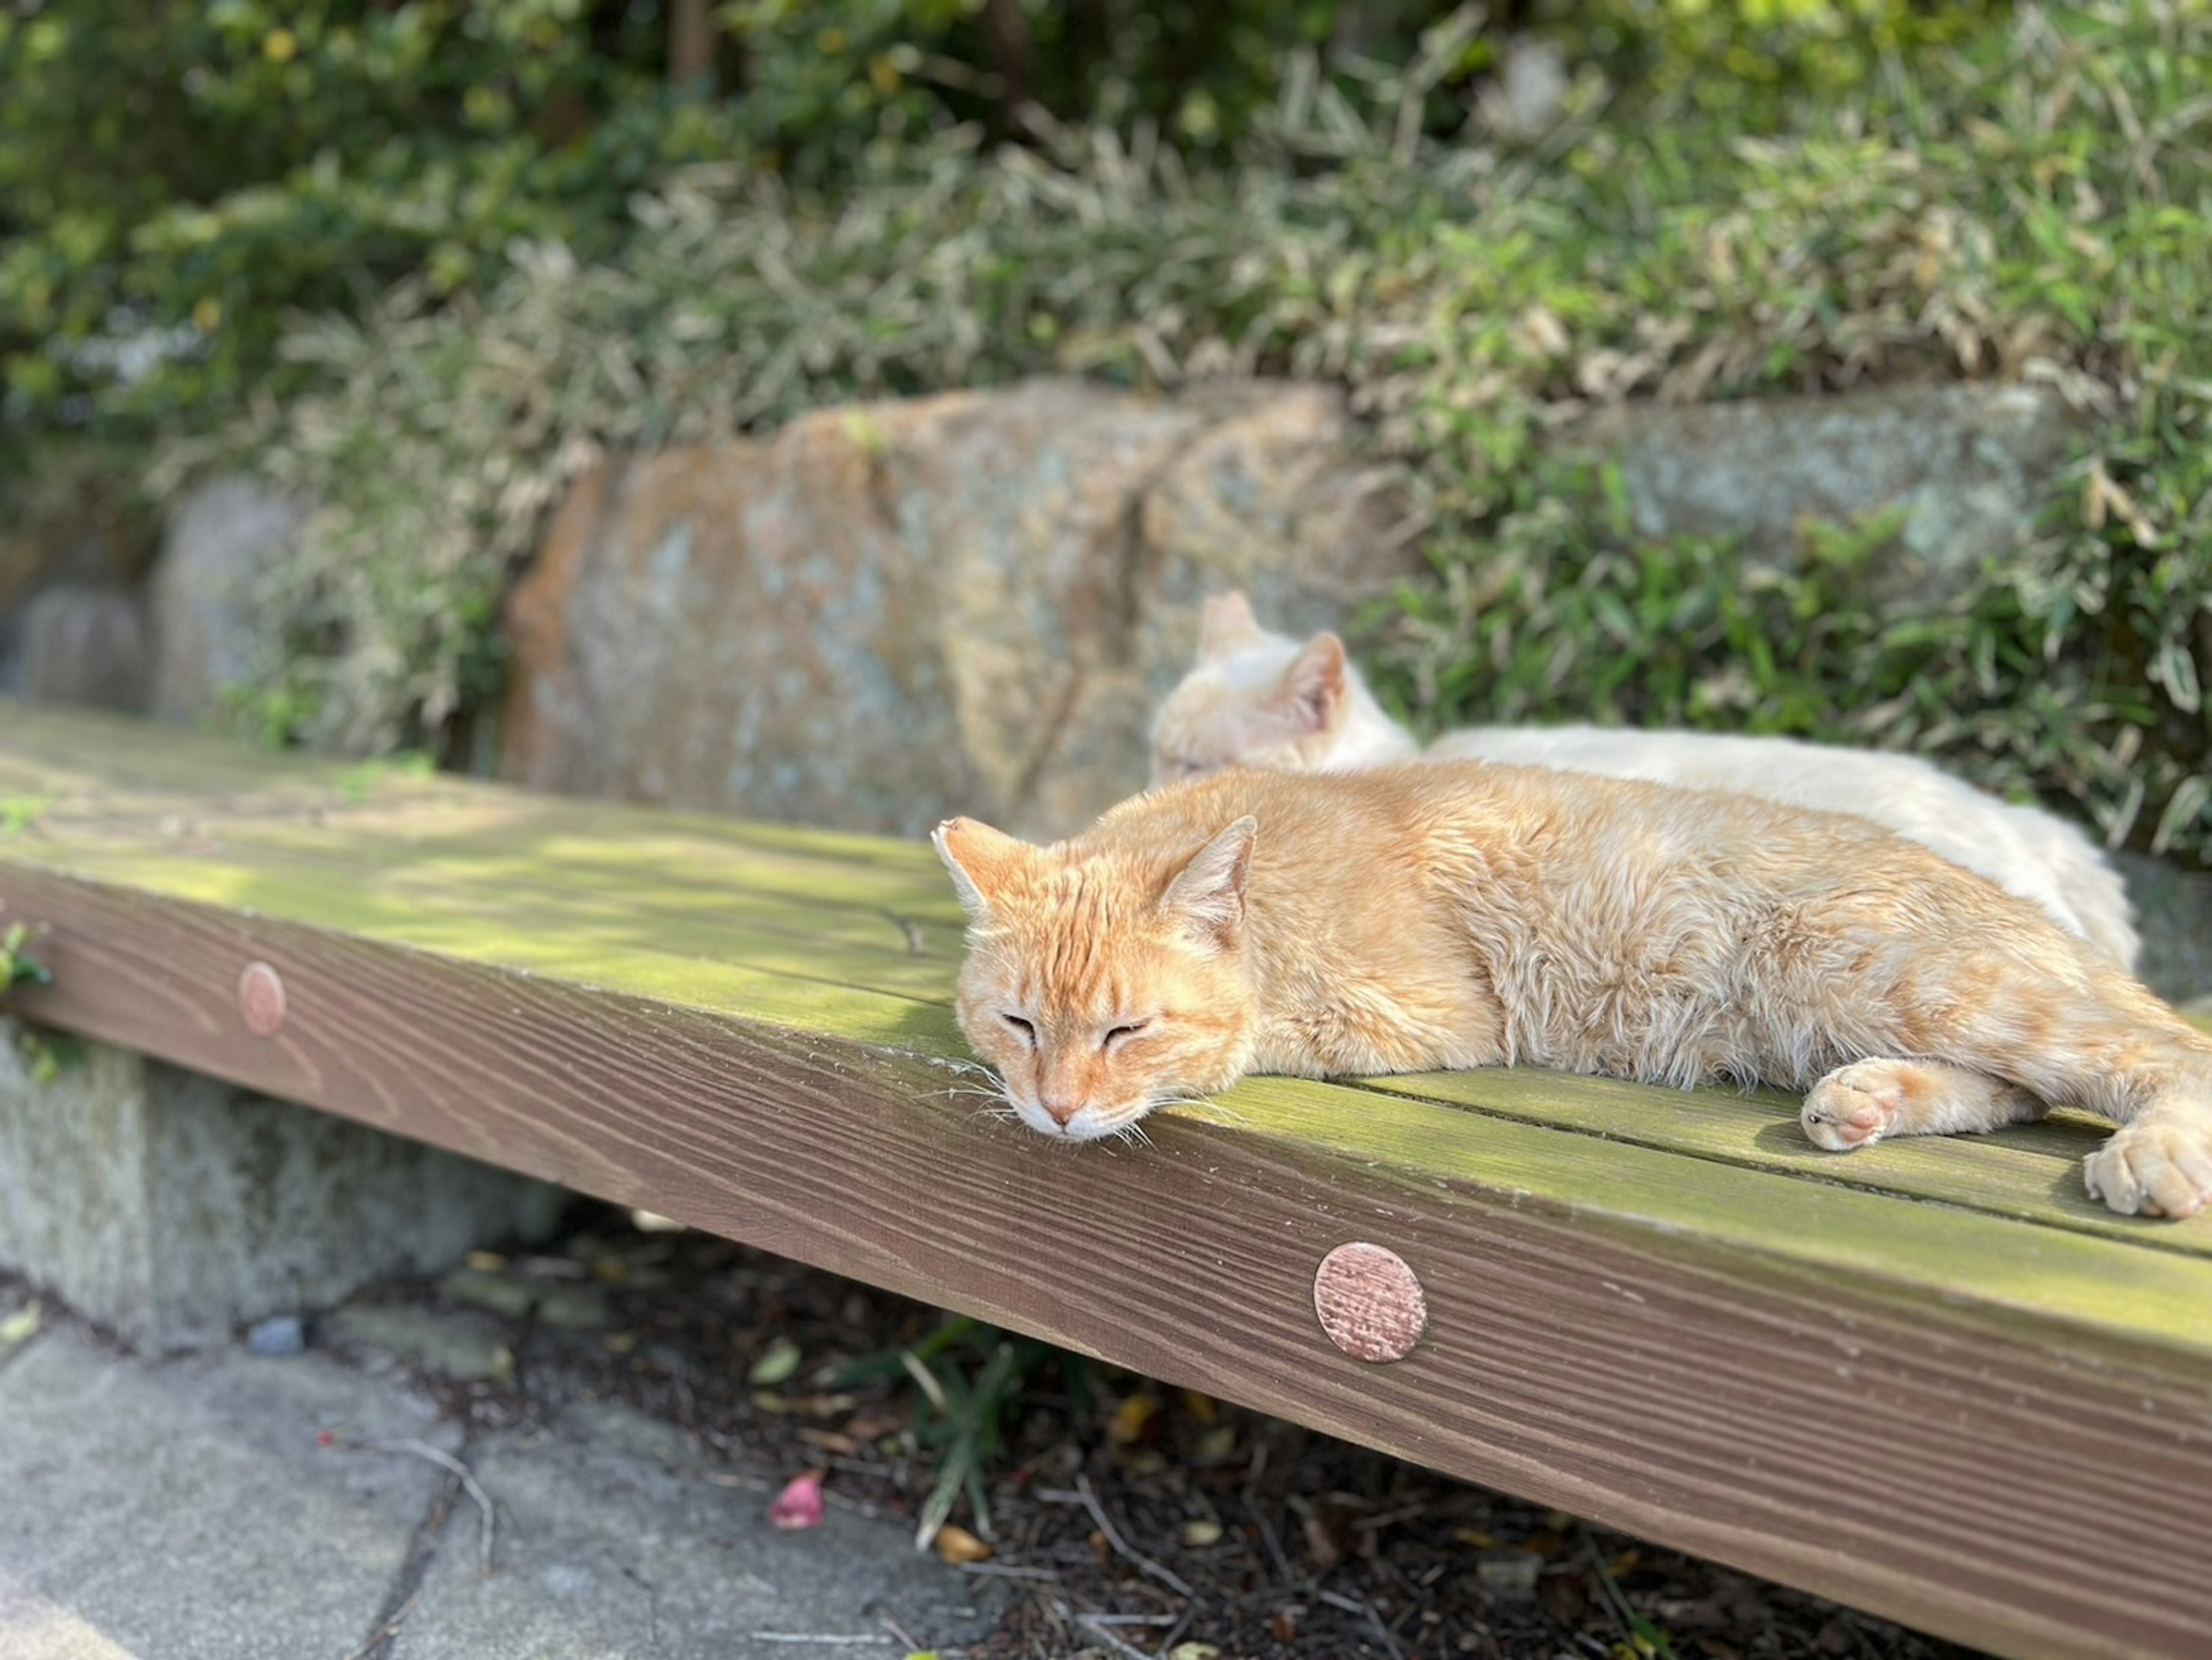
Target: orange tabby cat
1468 915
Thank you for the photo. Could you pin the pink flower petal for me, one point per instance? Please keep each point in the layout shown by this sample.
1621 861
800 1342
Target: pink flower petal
799 1504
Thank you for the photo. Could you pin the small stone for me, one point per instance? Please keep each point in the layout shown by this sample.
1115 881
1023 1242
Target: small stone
462 1347
283 1334
1510 1573
574 1308
495 1292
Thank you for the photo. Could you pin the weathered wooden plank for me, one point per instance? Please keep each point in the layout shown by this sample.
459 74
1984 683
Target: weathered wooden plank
581 889
1740 1364
2032 1172
1995 1428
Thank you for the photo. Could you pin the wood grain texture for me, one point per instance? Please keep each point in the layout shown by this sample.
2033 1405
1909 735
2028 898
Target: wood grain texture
1994 1427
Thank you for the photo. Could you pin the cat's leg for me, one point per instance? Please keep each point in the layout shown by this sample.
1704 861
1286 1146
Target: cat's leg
2100 1042
1868 1100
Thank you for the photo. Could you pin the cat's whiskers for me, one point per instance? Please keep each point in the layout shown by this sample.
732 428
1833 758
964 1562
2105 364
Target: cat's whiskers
968 1068
1207 1107
947 1095
1131 1135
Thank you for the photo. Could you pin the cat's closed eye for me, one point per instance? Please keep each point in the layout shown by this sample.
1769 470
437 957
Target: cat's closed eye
1021 1028
1119 1034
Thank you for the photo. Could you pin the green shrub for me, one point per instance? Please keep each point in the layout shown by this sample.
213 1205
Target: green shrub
2027 202
175 179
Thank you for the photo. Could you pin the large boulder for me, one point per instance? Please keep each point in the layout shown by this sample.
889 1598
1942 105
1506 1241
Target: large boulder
1965 466
887 614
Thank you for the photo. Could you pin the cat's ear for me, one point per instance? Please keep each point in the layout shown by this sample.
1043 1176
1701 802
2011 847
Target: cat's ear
1312 689
1226 626
980 858
1207 897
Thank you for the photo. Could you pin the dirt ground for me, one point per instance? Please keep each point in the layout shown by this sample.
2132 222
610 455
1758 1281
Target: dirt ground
1126 1518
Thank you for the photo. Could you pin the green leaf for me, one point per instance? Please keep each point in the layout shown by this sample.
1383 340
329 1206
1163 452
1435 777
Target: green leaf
778 1364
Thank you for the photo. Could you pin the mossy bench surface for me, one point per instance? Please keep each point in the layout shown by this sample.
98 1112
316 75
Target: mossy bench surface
1931 1378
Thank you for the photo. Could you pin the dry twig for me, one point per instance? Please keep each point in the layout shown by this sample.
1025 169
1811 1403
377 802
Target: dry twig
460 1472
1085 1496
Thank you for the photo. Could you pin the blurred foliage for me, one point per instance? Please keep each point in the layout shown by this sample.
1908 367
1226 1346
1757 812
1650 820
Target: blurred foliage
1483 227
175 179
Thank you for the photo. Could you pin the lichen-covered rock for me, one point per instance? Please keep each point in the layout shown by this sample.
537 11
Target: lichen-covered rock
1965 466
85 646
209 634
892 612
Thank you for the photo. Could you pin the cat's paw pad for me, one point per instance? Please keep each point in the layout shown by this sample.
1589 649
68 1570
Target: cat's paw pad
2155 1167
1853 1106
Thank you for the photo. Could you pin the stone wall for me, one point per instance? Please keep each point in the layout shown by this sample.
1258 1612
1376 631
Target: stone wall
169 1207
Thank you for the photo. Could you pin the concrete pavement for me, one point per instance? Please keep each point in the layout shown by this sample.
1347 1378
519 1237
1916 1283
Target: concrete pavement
236 1506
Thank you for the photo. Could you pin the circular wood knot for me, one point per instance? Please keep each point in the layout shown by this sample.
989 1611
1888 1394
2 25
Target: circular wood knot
261 999
1370 1303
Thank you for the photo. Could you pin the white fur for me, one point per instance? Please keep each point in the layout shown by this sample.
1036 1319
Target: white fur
1236 707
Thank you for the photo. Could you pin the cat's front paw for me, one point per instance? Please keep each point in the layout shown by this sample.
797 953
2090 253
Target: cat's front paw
2159 1165
1853 1105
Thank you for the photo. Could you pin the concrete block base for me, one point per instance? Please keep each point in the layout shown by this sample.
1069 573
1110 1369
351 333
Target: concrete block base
169 1207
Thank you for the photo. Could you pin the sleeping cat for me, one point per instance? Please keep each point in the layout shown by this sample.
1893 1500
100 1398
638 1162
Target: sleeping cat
1460 914
1259 699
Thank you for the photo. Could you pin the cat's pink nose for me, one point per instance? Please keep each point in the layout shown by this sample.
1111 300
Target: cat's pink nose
1062 1111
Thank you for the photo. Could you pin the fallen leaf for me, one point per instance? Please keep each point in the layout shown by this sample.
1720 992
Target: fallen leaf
1203 1407
1193 1651
1217 1445
1202 1533
799 1504
1131 1419
20 1325
955 1545
1325 1530
1475 1536
1283 1624
843 1446
778 1362
486 1261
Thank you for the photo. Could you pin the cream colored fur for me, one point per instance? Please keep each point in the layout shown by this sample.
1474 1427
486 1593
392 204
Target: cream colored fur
1455 914
1257 699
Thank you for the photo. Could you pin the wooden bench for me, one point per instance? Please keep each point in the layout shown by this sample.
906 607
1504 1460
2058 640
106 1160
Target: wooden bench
1931 1378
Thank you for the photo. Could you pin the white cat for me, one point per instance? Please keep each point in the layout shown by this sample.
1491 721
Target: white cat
1259 699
